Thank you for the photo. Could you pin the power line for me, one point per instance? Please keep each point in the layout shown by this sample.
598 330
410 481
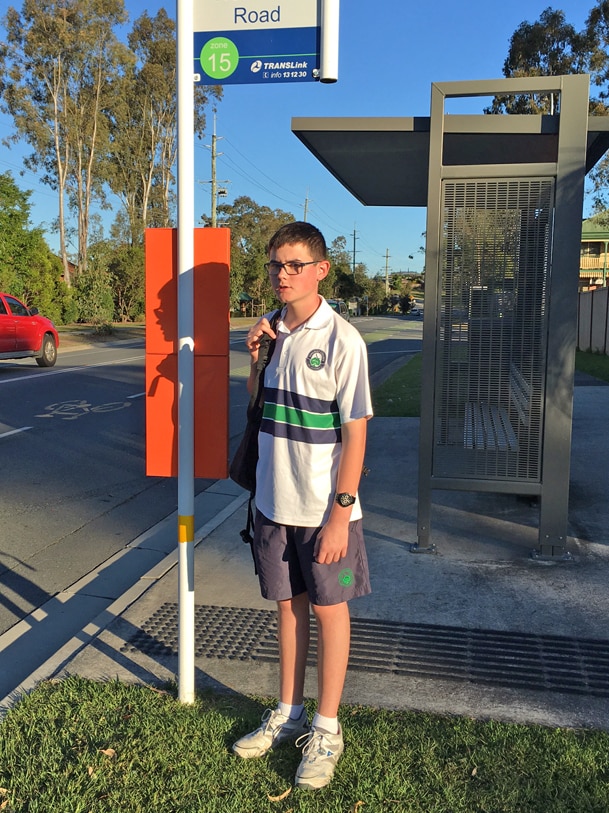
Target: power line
235 168
310 208
268 177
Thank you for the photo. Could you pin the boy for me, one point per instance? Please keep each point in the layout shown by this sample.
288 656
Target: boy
308 541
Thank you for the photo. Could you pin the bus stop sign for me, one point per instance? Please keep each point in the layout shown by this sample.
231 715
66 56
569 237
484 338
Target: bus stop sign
258 43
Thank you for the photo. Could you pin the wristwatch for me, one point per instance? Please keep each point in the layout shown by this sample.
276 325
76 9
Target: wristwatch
345 499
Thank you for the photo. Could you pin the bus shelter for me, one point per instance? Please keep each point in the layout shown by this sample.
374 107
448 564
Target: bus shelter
504 197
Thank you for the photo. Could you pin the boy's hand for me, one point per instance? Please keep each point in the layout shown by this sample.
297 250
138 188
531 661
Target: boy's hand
255 333
331 543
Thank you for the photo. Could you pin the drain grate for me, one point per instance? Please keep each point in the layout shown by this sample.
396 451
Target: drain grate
511 660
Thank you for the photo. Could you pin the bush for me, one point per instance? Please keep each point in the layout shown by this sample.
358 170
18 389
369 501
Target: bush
93 296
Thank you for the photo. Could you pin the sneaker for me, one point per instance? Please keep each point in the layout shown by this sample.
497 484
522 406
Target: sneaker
320 753
274 730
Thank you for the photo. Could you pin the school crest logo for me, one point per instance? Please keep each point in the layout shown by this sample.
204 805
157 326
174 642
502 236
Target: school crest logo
345 577
316 359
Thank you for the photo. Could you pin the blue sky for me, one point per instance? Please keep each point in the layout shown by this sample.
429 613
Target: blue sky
390 52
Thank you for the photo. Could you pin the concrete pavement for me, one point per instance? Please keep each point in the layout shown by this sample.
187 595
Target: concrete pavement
481 628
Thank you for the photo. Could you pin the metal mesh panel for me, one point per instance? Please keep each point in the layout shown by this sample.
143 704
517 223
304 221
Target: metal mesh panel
491 342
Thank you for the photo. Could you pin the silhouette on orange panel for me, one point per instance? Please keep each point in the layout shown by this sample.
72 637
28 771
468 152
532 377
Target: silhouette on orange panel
211 352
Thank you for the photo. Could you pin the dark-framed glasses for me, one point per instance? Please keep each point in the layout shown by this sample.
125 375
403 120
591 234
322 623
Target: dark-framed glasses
291 267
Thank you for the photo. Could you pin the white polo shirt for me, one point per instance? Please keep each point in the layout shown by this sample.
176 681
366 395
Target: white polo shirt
316 381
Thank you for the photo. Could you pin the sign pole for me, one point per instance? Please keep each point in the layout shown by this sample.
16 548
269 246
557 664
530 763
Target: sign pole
243 45
185 390
328 61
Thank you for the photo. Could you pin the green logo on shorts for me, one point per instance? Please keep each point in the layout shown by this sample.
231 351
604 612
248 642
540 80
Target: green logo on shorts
345 577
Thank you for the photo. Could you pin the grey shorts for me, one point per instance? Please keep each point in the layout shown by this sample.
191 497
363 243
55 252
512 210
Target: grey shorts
284 560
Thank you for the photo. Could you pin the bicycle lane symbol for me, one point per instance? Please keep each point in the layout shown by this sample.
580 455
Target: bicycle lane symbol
71 410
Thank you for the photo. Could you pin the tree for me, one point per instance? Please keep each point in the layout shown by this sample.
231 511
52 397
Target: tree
123 268
94 297
28 269
60 60
377 298
127 270
252 226
342 282
548 47
597 32
597 27
143 127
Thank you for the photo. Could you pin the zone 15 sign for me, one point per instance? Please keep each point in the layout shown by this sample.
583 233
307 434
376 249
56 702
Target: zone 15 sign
256 41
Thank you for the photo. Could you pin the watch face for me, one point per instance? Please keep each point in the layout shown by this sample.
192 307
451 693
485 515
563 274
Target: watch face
345 499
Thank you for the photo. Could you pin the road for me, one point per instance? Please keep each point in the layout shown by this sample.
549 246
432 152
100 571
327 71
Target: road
74 491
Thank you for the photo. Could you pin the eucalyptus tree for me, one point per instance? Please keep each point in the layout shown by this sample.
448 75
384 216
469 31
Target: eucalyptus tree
550 46
143 129
58 64
597 32
597 28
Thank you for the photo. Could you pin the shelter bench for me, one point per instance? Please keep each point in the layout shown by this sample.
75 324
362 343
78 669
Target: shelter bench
488 426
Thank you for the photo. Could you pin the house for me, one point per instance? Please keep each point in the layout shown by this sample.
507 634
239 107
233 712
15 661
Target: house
594 255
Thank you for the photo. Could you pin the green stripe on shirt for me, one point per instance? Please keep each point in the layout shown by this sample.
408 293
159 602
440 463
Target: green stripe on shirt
297 417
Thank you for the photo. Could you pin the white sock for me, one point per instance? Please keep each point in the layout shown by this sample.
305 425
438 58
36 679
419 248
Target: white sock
288 710
329 724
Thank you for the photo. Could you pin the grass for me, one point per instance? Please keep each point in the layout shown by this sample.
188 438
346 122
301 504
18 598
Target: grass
400 395
78 746
595 364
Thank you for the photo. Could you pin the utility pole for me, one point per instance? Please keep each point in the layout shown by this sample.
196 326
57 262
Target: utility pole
306 207
214 199
387 272
214 182
354 239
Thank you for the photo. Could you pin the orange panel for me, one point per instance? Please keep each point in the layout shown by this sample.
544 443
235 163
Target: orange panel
211 416
211 291
161 415
211 361
161 291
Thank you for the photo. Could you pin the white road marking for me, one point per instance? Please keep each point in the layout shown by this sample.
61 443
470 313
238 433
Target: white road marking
15 431
60 370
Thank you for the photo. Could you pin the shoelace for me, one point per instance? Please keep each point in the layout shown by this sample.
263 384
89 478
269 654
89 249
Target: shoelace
267 720
307 743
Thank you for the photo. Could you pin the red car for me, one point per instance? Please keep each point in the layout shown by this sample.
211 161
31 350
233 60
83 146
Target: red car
26 334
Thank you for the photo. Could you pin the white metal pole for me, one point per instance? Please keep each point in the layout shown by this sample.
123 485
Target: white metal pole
328 61
186 221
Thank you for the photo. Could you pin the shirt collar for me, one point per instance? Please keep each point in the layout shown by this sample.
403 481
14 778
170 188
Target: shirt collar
320 319
322 316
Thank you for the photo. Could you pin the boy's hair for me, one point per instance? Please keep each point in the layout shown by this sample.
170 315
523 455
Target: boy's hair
300 232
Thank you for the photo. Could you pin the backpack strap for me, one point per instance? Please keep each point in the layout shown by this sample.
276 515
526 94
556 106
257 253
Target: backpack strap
246 533
264 356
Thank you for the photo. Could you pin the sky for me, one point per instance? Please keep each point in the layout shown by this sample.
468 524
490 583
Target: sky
390 52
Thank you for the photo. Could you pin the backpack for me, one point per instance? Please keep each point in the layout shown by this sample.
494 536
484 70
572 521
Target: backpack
242 468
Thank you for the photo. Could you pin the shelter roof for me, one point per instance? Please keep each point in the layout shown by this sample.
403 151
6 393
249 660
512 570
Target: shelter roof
384 161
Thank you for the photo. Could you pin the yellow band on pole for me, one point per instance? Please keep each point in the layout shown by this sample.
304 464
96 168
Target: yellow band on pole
186 529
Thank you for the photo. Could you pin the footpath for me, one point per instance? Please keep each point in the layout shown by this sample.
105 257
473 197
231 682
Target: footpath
480 628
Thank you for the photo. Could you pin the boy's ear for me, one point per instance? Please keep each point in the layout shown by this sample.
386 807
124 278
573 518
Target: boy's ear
323 268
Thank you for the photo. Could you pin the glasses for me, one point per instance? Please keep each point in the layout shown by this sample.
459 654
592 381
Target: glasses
292 267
